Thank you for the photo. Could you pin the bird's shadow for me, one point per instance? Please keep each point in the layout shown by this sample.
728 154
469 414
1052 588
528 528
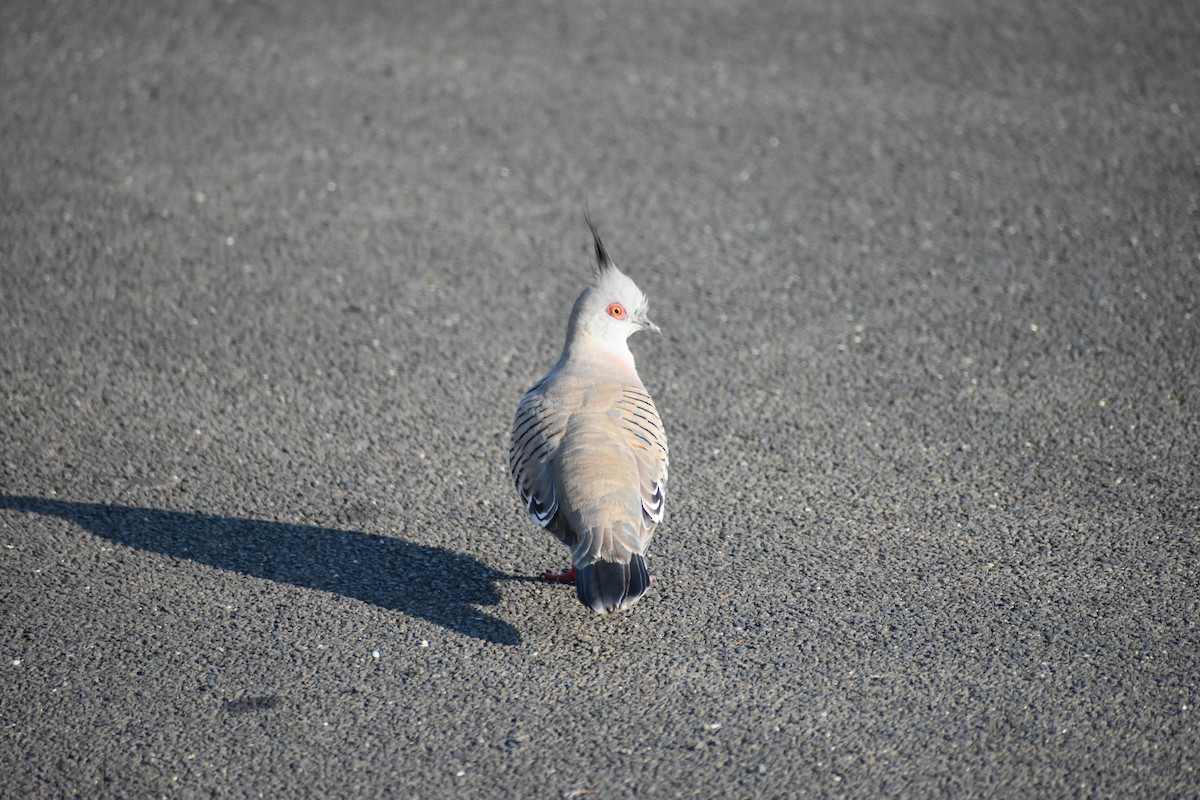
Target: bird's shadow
432 583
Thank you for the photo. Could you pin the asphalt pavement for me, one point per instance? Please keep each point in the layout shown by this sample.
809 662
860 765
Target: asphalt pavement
273 277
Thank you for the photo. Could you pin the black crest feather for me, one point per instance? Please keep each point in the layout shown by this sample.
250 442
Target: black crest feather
603 261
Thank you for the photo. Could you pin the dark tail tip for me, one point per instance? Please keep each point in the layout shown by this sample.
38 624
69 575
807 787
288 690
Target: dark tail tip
605 586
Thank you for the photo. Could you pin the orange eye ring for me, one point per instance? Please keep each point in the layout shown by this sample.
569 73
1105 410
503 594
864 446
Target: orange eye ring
616 311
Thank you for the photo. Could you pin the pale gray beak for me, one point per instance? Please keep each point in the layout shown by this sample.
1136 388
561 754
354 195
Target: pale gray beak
650 326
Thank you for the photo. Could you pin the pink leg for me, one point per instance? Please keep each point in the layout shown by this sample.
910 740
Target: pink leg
566 576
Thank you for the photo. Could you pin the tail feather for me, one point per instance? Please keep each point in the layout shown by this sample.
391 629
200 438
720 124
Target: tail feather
606 586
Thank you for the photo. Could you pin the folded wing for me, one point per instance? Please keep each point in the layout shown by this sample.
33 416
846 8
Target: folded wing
536 435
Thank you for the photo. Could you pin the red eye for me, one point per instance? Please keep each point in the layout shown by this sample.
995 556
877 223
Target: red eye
616 311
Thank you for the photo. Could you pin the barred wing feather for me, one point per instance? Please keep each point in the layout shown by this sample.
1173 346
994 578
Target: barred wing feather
648 441
536 435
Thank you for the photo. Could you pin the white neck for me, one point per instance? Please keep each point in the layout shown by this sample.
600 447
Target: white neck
585 347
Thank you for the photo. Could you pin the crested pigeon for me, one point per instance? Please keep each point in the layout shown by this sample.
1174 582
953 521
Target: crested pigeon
588 452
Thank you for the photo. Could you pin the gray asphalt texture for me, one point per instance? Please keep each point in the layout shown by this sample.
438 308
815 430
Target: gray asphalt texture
276 274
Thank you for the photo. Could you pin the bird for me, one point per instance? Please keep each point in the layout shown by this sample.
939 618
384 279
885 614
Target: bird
588 451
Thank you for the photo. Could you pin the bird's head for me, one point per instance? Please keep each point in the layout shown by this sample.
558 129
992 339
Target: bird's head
612 307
